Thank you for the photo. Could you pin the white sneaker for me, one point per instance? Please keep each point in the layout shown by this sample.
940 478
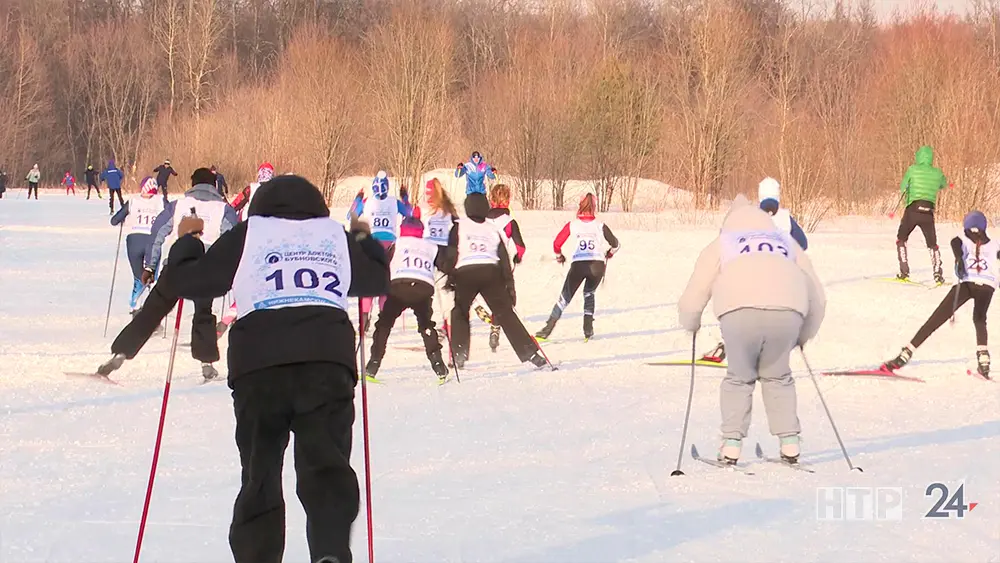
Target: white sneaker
729 451
790 448
209 372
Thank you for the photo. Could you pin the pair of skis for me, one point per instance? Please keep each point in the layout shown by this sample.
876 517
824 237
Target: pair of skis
882 372
926 285
746 470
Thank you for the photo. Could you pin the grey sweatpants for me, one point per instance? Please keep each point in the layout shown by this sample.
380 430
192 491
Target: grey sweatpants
758 344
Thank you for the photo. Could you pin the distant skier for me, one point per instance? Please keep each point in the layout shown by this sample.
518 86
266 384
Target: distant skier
476 171
769 198
34 177
3 181
920 187
510 234
412 262
593 244
977 258
163 173
768 301
220 181
441 213
138 214
218 218
383 212
477 264
90 176
113 177
69 182
242 200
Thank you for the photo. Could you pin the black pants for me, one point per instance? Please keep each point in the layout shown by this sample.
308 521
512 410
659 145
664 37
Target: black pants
589 273
93 187
981 296
162 298
486 280
316 402
163 191
32 186
920 214
111 198
403 295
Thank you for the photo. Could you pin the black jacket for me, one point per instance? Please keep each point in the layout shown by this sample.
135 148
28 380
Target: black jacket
268 338
163 174
3 181
90 175
449 259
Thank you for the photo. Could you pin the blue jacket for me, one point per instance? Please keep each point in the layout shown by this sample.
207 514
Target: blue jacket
475 177
772 206
163 225
112 176
403 207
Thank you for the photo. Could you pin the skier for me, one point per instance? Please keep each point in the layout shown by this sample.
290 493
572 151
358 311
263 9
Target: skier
920 187
768 300
3 181
441 213
220 181
475 171
163 173
292 366
219 218
138 214
382 211
113 177
477 264
264 173
69 182
34 177
593 245
510 234
412 261
769 198
976 262
90 175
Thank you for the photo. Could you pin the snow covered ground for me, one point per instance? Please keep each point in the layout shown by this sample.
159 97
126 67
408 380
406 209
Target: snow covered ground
510 465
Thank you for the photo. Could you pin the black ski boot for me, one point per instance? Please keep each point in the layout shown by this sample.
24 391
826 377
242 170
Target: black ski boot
439 367
588 327
538 360
371 369
936 265
983 361
899 361
494 338
459 359
546 331
208 371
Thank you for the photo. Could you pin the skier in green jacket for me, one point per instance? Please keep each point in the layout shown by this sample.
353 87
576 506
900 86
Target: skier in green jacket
920 187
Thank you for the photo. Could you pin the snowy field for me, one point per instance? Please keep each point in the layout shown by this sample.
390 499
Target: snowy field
510 465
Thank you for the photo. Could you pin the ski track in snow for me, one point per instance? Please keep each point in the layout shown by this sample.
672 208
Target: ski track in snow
512 464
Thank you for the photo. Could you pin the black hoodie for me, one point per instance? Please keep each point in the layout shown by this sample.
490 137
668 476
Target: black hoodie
476 209
268 338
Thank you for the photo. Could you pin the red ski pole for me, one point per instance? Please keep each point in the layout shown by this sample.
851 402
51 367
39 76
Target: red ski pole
364 425
159 431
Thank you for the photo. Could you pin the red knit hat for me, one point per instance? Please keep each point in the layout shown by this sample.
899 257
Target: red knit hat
412 226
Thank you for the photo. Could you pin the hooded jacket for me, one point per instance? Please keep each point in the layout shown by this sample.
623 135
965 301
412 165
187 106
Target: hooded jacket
756 280
112 176
923 180
34 175
475 176
163 225
276 337
476 209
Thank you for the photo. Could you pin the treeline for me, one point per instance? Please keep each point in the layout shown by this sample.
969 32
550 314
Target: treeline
706 95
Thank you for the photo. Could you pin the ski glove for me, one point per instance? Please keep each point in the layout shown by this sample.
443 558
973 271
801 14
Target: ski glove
560 258
609 254
191 225
960 270
517 259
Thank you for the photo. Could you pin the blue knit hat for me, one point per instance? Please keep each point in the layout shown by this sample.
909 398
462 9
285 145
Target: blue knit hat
975 222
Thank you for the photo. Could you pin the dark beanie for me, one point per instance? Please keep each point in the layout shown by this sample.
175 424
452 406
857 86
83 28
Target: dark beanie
476 206
203 176
289 197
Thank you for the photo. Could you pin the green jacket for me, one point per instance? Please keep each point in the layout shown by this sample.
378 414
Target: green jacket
923 180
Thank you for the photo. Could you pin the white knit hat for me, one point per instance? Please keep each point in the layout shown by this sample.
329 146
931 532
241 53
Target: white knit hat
769 188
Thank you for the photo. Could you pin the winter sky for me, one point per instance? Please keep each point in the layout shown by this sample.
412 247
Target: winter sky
887 7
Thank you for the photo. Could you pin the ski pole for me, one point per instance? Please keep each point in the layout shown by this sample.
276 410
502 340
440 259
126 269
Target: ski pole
954 304
114 272
447 336
364 424
892 214
829 416
535 340
687 411
159 431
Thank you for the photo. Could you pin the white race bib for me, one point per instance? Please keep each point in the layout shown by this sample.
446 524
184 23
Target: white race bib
741 243
982 270
141 214
588 240
289 263
783 220
413 258
477 243
211 212
438 227
382 214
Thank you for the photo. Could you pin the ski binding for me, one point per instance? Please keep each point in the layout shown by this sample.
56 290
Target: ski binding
717 463
780 461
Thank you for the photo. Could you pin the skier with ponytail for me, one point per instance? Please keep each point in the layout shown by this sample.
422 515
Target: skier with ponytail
441 213
510 234
976 266
593 245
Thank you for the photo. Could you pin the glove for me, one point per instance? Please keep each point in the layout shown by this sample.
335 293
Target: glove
493 169
359 226
960 270
609 254
449 284
147 277
513 295
517 259
460 165
560 258
191 226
